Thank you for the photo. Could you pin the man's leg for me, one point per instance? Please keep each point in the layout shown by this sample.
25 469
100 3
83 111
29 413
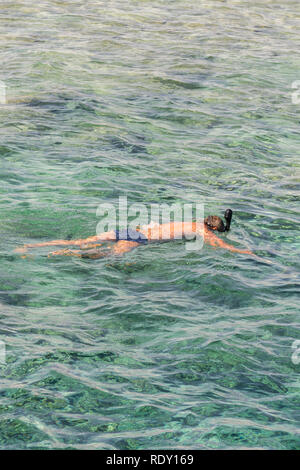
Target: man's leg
119 248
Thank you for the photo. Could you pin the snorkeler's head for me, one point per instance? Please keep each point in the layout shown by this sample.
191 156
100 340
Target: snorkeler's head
213 222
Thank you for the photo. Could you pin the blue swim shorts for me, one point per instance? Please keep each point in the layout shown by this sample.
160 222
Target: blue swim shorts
131 236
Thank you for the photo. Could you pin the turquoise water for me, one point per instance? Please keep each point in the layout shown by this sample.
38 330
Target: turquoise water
161 101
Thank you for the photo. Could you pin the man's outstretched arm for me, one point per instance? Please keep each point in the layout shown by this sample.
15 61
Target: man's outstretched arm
215 241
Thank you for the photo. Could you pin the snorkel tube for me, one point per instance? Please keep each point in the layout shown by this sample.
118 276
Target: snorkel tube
227 216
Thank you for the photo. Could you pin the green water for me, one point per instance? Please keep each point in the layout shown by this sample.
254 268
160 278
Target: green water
161 101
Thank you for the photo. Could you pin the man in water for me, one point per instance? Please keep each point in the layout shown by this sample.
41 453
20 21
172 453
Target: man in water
126 240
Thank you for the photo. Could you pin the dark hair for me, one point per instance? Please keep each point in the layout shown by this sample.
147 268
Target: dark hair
214 222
